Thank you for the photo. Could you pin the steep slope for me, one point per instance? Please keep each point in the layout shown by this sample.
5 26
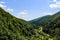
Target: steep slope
12 28
51 25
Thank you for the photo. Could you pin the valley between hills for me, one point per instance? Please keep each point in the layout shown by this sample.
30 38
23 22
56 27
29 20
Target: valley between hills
43 28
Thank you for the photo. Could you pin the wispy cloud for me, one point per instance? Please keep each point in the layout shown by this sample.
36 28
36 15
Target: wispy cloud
2 4
9 10
47 13
56 4
54 0
24 12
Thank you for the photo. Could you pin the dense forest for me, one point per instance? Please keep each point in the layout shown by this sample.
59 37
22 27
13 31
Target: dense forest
44 28
50 24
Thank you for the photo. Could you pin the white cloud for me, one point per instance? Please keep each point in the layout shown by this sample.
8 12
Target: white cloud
56 4
9 10
2 2
54 0
47 13
23 12
3 6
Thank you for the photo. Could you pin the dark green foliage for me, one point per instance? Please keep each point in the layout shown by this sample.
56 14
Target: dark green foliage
51 24
40 21
12 28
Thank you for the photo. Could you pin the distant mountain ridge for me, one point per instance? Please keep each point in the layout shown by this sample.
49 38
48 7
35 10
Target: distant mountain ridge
40 21
51 25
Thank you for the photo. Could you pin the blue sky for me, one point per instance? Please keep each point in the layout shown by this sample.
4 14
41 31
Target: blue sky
30 9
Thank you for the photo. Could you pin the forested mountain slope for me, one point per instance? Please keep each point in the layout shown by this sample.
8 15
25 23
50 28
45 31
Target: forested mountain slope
51 25
41 20
12 28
